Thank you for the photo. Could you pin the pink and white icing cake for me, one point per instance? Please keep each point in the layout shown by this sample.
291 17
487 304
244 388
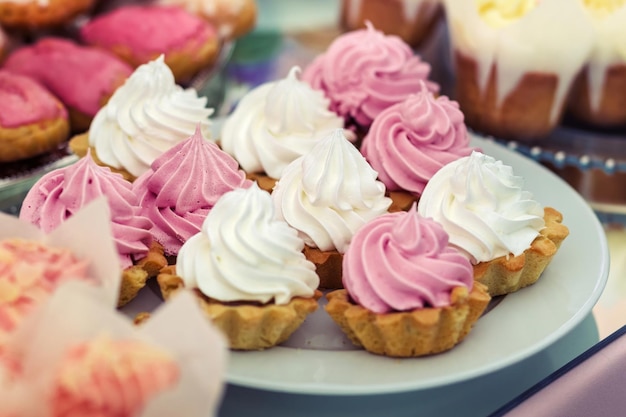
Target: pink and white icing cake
410 141
23 101
329 193
110 378
61 193
29 272
483 207
81 77
364 71
244 253
402 261
145 117
163 29
182 186
276 123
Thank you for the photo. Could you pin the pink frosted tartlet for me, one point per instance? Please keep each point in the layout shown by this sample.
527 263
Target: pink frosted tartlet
182 186
59 194
82 77
410 141
32 121
407 292
364 71
138 34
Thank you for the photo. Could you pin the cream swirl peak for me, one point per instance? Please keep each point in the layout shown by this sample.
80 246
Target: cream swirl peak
276 123
244 253
481 204
329 193
183 185
411 140
401 261
145 117
365 71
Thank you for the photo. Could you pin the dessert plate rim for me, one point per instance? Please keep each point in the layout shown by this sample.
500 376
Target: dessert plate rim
522 324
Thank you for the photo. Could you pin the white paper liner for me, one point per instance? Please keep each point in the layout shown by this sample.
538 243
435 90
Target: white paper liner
87 235
76 314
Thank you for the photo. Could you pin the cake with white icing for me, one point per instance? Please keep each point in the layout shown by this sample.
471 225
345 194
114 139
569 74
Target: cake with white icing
599 93
412 20
515 63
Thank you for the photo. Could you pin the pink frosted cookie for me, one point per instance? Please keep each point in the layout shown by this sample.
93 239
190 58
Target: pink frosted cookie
138 34
410 141
232 18
59 194
407 291
365 71
32 121
83 78
182 186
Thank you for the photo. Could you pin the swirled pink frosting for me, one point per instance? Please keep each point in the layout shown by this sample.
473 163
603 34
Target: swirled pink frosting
110 378
401 261
163 29
62 192
29 273
365 71
80 76
23 101
183 185
411 140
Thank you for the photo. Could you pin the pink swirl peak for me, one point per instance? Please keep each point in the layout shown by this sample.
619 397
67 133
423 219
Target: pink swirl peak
110 378
401 261
365 71
62 192
410 141
183 185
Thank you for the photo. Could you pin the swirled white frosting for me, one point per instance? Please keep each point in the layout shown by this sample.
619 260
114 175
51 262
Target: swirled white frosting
329 193
276 123
145 117
243 253
481 204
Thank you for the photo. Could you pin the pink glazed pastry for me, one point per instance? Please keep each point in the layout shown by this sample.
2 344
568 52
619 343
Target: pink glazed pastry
62 192
139 34
411 140
32 121
183 185
407 292
83 78
364 71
